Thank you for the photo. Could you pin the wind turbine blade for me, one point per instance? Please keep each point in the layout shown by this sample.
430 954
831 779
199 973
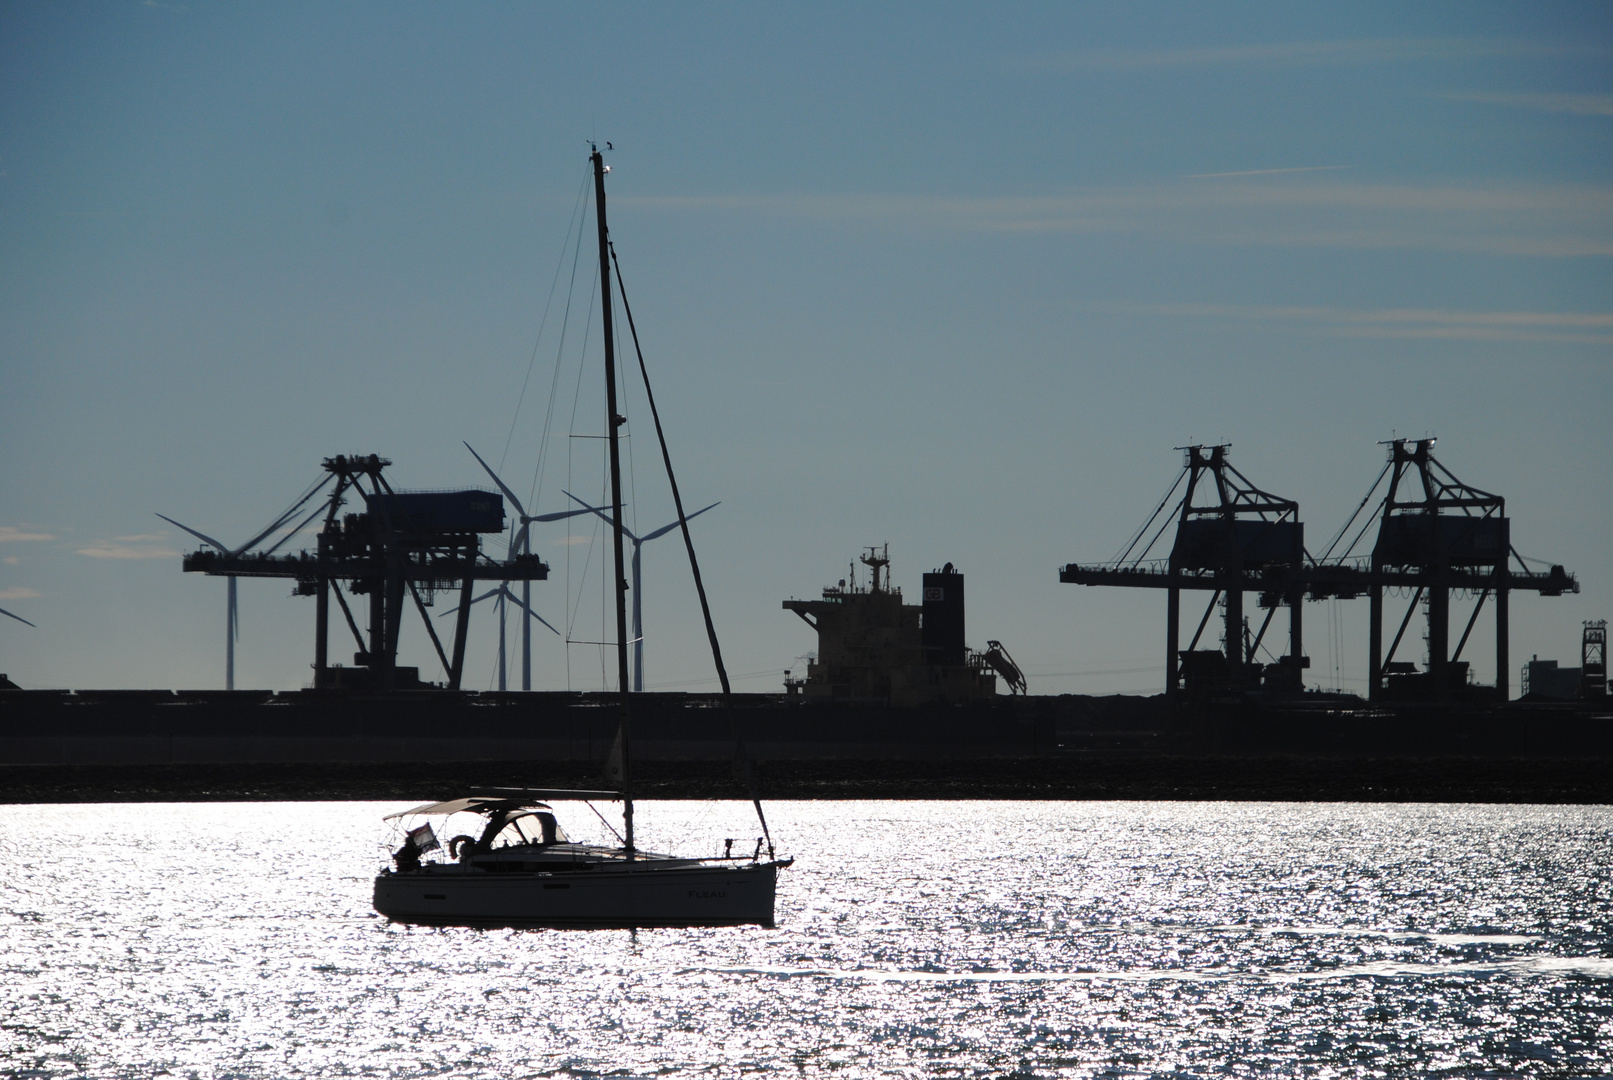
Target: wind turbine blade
517 602
508 494
474 600
559 515
542 620
600 511
20 619
663 530
203 537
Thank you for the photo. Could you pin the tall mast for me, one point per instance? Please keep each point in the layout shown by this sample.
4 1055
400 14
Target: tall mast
614 420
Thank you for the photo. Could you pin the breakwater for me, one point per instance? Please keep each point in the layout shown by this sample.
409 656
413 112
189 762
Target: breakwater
138 745
1150 778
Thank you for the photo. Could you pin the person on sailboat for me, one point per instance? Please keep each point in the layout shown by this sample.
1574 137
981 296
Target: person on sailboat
415 843
406 858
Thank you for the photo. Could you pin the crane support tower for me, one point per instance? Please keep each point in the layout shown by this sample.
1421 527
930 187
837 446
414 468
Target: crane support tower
1232 540
405 546
1437 537
1439 534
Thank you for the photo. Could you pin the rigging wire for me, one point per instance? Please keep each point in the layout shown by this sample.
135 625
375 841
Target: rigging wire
543 322
742 758
535 491
672 480
576 398
526 378
627 430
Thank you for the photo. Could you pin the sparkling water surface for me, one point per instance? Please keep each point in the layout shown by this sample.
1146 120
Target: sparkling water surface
913 939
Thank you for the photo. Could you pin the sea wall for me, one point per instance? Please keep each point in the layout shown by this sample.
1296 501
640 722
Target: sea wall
244 727
133 727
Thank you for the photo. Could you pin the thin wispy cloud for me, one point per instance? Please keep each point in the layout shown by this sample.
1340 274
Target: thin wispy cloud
18 592
140 538
1530 220
12 534
1577 104
1355 51
1478 242
1546 327
1265 172
115 550
1112 201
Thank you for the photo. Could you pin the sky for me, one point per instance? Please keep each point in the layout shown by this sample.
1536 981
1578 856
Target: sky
955 278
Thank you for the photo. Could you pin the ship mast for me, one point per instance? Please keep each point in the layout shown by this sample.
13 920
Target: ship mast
614 420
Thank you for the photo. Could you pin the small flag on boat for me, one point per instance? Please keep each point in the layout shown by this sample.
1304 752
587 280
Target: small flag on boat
423 839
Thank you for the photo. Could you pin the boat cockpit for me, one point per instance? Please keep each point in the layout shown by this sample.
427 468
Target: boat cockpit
505 830
534 827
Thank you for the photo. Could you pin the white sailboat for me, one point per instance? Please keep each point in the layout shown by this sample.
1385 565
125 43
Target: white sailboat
515 865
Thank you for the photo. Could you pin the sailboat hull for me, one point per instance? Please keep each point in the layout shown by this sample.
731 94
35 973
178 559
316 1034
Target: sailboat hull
603 897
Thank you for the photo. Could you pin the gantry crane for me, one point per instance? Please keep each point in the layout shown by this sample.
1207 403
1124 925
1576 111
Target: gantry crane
408 542
1437 536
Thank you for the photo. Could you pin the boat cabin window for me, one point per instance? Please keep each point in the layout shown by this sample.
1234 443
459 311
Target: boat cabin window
531 827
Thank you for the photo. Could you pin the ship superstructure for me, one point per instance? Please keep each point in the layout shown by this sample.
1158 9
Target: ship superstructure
874 647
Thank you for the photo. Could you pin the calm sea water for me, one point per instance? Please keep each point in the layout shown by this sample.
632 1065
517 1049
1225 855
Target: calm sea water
914 939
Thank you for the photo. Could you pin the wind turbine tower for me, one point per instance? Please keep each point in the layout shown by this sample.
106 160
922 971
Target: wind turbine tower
520 544
232 624
638 581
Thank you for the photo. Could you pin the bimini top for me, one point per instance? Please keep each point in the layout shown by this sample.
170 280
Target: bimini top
501 799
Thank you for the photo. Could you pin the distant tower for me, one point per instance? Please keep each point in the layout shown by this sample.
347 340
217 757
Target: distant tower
1593 660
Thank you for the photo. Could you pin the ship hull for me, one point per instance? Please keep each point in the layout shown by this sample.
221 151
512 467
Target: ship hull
604 897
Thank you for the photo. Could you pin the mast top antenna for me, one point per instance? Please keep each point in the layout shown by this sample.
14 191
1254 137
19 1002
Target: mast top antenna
877 559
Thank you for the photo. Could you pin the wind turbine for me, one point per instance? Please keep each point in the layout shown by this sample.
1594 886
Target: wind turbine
232 629
520 543
232 626
19 618
638 593
505 595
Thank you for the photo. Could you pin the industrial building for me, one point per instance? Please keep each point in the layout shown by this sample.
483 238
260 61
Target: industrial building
1543 680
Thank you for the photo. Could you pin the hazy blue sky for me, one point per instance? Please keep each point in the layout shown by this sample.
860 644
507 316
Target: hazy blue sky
953 277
